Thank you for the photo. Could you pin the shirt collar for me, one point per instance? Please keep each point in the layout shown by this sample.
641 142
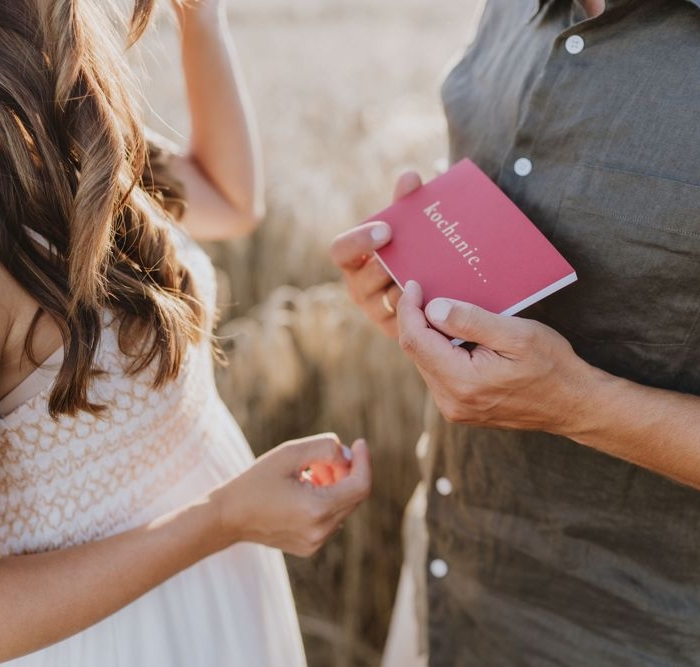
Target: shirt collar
537 5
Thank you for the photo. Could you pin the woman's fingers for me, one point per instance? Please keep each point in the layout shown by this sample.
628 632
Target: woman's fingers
324 448
356 486
294 496
318 474
331 504
321 460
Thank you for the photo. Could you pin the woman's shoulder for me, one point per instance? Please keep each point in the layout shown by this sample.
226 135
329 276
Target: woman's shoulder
17 312
8 295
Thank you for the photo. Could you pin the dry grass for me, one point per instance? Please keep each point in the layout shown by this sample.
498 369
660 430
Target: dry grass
347 94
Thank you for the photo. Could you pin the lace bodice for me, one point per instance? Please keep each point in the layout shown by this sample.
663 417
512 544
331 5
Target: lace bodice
75 479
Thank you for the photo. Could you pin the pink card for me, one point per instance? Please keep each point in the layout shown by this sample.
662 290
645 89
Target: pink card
460 237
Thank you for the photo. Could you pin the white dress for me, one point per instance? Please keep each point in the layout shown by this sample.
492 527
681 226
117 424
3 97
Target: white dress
83 478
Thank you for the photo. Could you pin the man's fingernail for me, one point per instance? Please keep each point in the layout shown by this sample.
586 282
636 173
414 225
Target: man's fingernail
347 453
411 287
438 310
380 233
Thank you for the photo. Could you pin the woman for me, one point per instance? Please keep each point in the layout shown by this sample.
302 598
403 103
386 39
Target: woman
123 478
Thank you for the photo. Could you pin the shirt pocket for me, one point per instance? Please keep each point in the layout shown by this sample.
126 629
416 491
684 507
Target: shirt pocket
634 240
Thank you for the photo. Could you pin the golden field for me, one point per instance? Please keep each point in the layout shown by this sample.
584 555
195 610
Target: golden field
347 95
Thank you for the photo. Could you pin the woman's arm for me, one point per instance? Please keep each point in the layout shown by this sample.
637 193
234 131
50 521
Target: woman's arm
223 171
47 597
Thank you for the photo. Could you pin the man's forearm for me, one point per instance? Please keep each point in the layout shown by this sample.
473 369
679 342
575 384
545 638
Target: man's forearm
653 428
526 376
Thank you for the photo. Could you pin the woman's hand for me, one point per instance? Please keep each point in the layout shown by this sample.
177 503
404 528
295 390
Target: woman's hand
368 283
52 594
295 496
520 375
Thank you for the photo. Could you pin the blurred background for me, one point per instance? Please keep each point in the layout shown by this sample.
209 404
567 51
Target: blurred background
347 96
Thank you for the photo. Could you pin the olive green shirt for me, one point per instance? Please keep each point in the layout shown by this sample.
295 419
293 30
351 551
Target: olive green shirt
542 552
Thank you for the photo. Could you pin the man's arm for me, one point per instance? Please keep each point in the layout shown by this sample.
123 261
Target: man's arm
654 428
524 375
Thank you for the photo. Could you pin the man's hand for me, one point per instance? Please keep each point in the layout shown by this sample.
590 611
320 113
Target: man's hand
521 374
369 285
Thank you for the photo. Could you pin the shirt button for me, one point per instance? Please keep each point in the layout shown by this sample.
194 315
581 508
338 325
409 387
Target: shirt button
438 568
523 166
443 486
574 44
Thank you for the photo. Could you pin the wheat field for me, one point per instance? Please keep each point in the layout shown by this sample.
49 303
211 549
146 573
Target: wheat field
347 95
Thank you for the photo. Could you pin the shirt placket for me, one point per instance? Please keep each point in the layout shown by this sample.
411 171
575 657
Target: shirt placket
527 167
524 166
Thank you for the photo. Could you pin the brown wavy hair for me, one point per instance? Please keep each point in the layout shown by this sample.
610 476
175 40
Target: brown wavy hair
76 174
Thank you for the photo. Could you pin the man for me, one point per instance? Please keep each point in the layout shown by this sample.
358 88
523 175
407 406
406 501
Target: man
563 510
